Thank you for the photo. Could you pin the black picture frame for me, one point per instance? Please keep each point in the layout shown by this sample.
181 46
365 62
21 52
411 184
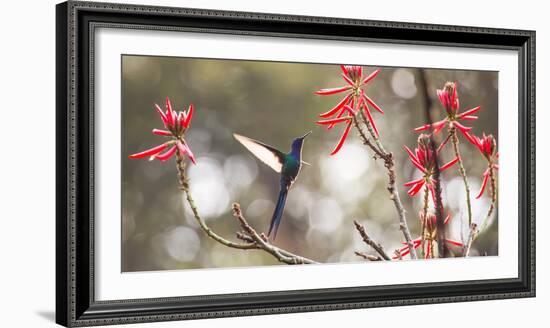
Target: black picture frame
75 302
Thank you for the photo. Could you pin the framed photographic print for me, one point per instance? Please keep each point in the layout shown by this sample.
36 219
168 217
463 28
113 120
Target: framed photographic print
214 163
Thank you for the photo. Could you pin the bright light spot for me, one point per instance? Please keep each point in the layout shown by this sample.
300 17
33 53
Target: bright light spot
342 173
299 201
208 187
351 162
240 171
325 216
182 243
456 196
402 83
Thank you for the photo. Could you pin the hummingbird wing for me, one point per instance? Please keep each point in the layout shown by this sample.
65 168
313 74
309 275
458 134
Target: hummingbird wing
274 158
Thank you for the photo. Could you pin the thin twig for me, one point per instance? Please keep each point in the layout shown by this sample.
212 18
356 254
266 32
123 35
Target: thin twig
389 163
398 255
251 238
474 232
493 198
471 237
376 246
461 171
366 139
424 218
262 243
368 256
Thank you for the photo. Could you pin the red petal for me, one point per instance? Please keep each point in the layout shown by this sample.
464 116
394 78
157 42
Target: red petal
470 112
439 125
334 120
473 140
412 156
342 139
469 118
372 103
442 95
454 97
428 250
447 219
454 242
149 152
180 118
336 108
371 76
332 125
422 128
169 114
446 166
162 116
371 120
414 190
166 155
184 149
462 128
189 116
343 68
413 182
181 148
326 92
483 185
163 133
190 154
348 80
414 160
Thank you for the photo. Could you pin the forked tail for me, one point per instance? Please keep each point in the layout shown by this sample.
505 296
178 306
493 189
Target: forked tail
278 213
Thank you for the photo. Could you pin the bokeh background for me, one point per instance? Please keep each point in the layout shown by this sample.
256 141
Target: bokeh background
274 103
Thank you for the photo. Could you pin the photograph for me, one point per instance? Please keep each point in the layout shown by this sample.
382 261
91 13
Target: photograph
245 163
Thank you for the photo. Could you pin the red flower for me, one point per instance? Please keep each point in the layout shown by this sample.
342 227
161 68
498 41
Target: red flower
487 145
176 123
424 160
355 95
430 224
448 96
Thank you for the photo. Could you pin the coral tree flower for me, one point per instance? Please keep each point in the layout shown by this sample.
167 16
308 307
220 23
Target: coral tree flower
487 145
448 97
355 99
176 124
430 224
424 160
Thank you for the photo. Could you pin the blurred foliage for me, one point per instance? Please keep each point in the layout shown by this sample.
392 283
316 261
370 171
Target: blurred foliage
275 102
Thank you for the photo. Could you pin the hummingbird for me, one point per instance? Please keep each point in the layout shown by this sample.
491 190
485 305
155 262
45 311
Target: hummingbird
287 164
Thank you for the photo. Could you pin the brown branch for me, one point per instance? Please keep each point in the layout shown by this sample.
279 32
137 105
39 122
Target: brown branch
376 246
471 237
398 254
424 216
389 164
368 256
262 243
365 139
440 220
252 240
461 171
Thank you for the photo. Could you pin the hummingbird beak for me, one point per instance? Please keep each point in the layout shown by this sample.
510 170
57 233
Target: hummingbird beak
305 135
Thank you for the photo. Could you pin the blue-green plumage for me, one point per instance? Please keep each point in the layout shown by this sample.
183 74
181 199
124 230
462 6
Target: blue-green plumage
288 165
